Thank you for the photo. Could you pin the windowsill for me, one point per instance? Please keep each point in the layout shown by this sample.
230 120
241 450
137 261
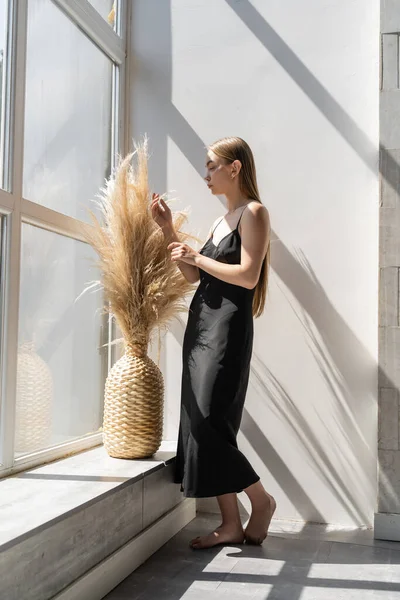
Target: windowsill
33 499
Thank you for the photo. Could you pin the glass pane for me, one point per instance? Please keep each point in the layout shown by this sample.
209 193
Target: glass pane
107 9
59 369
67 115
3 260
3 46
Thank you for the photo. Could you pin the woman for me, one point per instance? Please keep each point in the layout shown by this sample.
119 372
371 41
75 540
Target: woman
233 270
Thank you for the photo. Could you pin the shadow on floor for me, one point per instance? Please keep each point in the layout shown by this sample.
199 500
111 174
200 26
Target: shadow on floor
311 564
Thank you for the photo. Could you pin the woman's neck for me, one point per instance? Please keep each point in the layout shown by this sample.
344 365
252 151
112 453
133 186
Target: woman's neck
235 200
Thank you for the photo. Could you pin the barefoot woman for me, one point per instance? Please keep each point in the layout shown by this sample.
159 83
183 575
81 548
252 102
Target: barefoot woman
233 270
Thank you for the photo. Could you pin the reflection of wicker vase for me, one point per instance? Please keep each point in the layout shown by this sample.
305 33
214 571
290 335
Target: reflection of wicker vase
34 401
133 407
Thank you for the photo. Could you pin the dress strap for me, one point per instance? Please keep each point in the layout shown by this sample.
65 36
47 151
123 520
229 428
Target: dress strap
216 225
242 214
223 217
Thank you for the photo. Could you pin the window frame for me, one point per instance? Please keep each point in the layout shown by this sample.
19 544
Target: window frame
16 210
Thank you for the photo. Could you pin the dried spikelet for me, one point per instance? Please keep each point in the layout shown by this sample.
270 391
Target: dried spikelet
144 287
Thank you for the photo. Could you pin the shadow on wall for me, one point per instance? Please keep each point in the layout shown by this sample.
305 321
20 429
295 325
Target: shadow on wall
345 364
347 368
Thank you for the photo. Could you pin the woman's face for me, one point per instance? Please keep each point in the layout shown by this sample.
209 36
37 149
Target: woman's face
218 176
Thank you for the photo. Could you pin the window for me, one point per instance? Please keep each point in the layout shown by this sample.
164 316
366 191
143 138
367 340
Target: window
67 144
59 361
65 109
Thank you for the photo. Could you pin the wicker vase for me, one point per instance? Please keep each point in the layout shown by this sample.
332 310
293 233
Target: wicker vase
133 406
34 401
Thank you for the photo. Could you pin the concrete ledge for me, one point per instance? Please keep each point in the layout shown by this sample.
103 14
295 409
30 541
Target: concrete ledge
60 521
387 526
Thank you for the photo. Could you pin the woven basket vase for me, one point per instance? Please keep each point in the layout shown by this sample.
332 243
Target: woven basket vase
133 406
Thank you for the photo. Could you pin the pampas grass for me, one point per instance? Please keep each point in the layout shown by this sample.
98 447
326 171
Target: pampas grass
143 286
144 289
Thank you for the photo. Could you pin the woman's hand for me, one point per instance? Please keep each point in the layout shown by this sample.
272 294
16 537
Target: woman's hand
183 252
161 212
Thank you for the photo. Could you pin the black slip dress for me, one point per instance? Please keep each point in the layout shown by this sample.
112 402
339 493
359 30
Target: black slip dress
216 354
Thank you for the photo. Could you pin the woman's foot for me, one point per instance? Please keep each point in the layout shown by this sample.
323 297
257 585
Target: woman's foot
224 534
257 528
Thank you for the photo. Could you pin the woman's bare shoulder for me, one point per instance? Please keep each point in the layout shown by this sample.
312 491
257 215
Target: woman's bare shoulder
259 210
256 205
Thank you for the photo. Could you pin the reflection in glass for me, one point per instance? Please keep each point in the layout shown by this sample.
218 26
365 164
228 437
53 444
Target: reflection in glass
67 151
59 372
107 9
34 401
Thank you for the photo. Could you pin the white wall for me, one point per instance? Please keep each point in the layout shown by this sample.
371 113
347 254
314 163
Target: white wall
299 82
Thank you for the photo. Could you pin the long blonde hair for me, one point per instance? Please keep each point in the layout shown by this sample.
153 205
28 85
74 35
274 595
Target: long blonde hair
234 148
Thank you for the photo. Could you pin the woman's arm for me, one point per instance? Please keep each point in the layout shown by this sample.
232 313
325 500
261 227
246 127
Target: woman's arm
255 236
190 272
162 215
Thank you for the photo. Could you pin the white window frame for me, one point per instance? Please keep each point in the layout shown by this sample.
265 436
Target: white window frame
16 210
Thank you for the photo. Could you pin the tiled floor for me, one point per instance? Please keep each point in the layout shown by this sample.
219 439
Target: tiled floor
295 562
